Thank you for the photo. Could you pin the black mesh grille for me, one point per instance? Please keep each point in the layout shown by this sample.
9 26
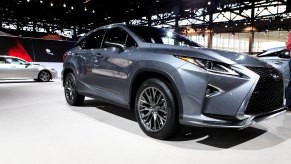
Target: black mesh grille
268 94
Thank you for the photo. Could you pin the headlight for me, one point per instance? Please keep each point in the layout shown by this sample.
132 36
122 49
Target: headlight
210 66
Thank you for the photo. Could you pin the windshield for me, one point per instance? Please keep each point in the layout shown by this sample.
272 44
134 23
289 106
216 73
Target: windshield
161 36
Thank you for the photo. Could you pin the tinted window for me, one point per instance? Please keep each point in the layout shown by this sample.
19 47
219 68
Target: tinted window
2 60
15 61
119 36
161 36
94 40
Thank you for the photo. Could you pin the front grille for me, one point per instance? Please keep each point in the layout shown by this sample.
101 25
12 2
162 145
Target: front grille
268 93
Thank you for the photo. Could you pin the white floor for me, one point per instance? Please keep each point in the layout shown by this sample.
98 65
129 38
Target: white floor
38 127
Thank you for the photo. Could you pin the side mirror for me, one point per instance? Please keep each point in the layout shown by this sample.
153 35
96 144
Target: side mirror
27 64
285 54
116 45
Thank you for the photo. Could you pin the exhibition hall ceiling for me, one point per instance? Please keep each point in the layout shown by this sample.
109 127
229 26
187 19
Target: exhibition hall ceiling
71 18
95 12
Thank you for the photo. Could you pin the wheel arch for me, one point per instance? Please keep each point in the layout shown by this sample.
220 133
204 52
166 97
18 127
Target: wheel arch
140 76
65 72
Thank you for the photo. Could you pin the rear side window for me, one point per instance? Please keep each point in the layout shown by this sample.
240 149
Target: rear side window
93 41
15 61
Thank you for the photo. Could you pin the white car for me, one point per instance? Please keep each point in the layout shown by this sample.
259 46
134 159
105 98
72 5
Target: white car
16 68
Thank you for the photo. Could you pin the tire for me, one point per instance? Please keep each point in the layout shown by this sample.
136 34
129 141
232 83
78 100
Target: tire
72 96
155 109
44 76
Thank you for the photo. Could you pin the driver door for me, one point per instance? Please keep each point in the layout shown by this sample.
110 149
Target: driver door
20 69
110 70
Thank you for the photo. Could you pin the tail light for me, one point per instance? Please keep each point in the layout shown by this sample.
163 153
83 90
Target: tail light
65 56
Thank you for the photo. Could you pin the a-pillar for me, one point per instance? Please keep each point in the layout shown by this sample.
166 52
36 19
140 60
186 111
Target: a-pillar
149 18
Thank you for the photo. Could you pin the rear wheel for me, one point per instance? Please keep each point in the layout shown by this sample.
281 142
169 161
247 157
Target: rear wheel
44 76
155 109
72 96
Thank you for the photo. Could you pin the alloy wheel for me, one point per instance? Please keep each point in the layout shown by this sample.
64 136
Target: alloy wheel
70 90
44 76
152 109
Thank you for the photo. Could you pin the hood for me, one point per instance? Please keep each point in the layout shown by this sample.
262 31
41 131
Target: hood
227 57
240 58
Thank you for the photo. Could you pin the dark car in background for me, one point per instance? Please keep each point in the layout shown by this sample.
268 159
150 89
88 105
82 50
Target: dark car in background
279 58
171 81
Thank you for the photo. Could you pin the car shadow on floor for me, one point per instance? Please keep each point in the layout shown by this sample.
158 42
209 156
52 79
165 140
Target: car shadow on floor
189 137
21 81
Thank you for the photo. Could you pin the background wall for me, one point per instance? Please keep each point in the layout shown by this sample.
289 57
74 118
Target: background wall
40 51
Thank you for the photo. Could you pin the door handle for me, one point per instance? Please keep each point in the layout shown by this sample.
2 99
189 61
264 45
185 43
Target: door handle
98 55
278 62
75 54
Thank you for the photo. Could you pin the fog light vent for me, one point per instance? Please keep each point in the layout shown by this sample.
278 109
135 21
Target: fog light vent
211 91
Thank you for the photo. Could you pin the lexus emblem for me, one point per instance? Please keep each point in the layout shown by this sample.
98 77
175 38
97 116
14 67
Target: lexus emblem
275 76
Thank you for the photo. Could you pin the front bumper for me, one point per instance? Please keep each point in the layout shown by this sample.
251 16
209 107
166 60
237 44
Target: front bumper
219 123
231 105
54 74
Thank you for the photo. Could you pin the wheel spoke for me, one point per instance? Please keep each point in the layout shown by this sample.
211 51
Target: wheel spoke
144 109
159 98
146 115
149 97
161 119
144 100
154 91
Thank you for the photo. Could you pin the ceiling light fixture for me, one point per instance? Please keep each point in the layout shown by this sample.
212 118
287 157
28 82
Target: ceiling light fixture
64 5
93 11
52 4
85 9
72 7
40 1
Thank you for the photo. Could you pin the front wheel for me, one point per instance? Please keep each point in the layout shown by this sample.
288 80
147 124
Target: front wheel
155 109
72 96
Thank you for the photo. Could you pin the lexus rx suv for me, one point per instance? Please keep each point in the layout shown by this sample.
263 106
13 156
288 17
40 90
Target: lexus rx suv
169 80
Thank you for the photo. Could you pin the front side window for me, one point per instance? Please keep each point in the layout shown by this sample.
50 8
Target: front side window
118 36
161 36
93 41
15 61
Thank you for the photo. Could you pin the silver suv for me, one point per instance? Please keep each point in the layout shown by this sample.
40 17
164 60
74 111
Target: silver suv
169 80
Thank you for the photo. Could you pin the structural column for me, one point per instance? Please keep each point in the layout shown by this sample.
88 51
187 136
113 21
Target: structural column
251 41
210 33
251 32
